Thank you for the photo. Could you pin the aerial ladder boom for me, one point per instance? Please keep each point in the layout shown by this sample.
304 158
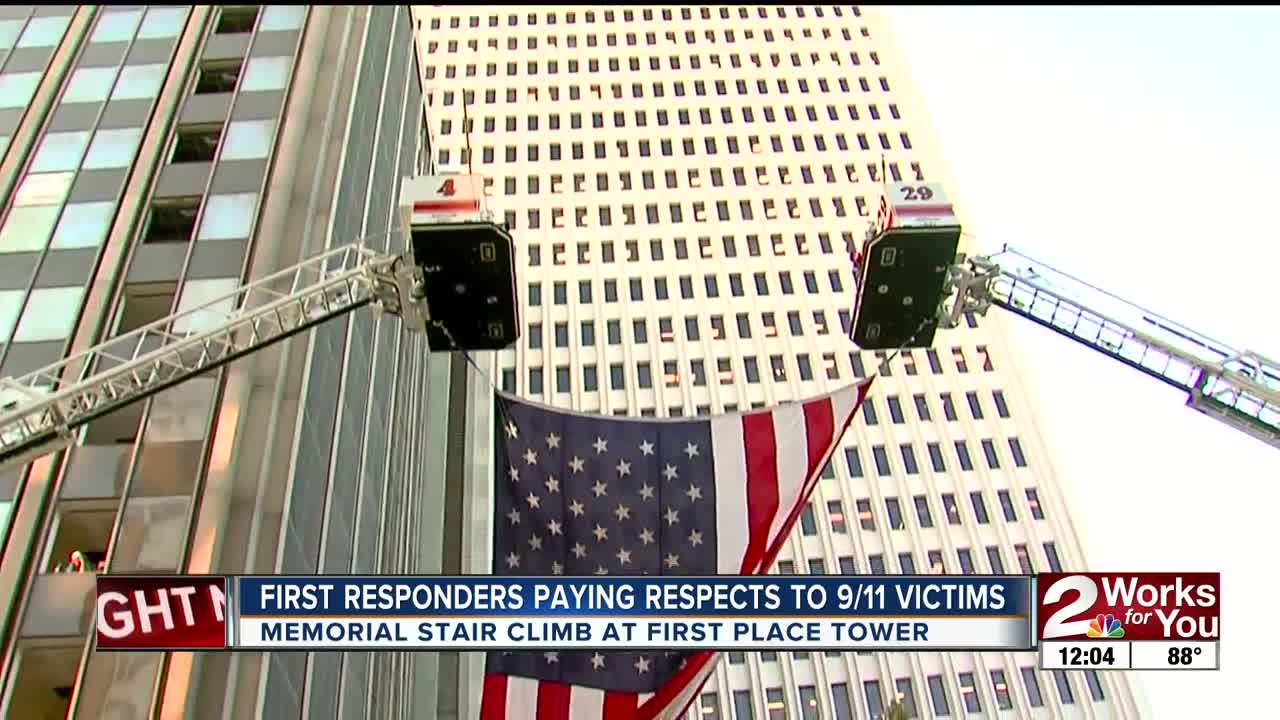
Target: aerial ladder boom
1239 388
43 409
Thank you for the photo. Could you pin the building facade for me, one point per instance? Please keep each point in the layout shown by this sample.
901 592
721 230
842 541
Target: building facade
154 158
684 184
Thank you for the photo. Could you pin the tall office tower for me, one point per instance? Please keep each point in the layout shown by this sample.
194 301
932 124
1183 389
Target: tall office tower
154 158
684 183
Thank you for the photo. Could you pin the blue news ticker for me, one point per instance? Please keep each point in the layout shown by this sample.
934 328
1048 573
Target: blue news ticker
724 595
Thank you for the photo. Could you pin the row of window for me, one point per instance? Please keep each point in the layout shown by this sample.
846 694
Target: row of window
574 66
725 370
842 707
663 118
647 14
680 248
658 89
761 176
924 513
937 565
666 147
674 212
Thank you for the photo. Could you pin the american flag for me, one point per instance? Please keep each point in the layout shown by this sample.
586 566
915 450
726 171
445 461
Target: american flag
583 494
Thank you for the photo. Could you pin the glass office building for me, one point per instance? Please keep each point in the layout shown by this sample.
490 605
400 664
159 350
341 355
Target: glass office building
153 158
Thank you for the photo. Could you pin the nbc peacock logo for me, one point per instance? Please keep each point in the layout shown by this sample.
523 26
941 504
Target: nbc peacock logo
1105 626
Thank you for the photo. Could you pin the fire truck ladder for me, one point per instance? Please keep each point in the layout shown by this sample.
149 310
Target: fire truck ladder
41 411
1239 388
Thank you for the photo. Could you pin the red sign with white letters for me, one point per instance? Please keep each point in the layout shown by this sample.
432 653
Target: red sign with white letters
1127 606
158 612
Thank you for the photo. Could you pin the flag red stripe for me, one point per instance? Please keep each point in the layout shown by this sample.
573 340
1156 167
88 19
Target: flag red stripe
553 701
762 485
493 704
620 705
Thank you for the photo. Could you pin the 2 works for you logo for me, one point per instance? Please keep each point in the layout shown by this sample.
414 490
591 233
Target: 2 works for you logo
1128 606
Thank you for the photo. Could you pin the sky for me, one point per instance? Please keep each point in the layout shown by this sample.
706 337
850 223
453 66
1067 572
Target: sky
1136 148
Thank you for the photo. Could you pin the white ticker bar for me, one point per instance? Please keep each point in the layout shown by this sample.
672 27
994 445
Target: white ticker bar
1175 655
1085 655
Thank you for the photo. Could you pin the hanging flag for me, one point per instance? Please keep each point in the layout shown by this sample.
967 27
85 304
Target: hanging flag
579 494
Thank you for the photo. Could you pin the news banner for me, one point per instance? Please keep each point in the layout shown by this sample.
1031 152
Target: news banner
1101 621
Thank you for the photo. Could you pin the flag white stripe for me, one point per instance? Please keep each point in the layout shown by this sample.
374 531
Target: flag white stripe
843 404
792 461
522 696
730 462
585 703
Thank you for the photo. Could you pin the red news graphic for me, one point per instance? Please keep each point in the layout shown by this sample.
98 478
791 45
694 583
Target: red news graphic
1127 606
159 612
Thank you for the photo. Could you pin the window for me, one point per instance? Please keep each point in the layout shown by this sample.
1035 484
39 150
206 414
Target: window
1015 449
808 525
1095 685
27 229
938 695
196 144
215 77
923 516
989 450
969 692
1032 683
808 703
952 508
975 407
266 73
1064 687
1001 689
1033 502
116 26
1002 407
228 217
710 706
139 82
894 511
535 381
995 559
866 519
979 507
82 225
248 139
233 20
875 703
44 32
935 457
835 511
1006 505
278 18
171 220
113 148
50 314
742 707
16 89
86 85
906 696
1051 554
60 151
